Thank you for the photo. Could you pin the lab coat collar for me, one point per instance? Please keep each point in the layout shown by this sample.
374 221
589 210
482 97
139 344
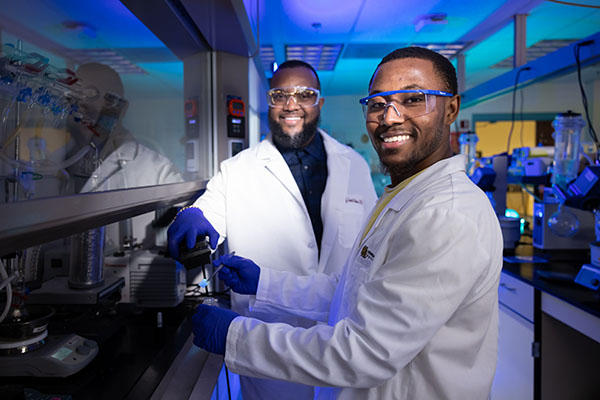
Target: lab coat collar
274 162
446 166
443 167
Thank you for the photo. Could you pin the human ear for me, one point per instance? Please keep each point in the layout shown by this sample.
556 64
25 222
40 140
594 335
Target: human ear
452 108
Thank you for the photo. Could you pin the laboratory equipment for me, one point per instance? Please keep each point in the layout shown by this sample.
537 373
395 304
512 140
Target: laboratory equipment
547 239
491 177
86 266
531 165
205 281
26 348
195 257
468 147
54 356
511 231
589 274
150 278
567 134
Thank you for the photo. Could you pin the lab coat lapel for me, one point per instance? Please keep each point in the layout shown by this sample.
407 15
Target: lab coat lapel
334 196
437 170
277 166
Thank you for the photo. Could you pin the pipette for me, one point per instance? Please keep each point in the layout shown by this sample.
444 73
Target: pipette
204 281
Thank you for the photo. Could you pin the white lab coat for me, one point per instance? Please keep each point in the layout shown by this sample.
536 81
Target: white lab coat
128 164
415 314
255 203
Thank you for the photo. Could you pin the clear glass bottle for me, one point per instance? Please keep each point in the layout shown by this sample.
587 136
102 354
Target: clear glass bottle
567 134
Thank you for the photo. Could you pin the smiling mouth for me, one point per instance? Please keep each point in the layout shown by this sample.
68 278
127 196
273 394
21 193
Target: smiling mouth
395 138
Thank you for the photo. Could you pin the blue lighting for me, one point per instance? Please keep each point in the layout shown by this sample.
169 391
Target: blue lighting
511 213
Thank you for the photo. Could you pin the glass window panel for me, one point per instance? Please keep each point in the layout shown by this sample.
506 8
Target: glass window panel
67 82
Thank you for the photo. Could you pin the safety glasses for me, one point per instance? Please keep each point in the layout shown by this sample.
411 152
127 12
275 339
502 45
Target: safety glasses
406 103
302 95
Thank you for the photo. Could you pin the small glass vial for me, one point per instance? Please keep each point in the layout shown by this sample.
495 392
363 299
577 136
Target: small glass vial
211 301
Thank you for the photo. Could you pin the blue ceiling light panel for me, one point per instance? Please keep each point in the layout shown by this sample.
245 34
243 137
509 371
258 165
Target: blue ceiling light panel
322 57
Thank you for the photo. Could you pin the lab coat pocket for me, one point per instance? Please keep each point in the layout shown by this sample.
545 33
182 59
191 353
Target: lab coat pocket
351 219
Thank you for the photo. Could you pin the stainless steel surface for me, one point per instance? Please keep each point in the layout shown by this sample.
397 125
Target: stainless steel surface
57 291
33 222
87 259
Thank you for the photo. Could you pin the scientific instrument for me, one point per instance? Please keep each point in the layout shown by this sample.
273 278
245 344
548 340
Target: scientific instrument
26 348
195 257
567 134
468 146
205 281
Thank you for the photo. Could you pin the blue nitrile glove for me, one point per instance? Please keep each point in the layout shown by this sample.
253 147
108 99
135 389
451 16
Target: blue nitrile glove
239 273
210 326
188 225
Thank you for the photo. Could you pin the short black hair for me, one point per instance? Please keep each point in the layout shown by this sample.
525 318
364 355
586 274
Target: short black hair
299 64
442 65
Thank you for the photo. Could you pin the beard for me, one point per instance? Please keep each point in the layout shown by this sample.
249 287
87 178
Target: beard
296 141
406 168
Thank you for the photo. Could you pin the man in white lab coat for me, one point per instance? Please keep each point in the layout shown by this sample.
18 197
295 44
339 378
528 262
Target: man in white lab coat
294 203
120 161
415 313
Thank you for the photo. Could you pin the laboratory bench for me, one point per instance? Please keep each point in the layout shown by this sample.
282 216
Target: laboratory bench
143 354
549 331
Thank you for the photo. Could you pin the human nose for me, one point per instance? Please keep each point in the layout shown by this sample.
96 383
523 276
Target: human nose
392 118
290 105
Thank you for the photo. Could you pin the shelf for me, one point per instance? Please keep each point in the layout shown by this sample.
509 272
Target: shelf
34 222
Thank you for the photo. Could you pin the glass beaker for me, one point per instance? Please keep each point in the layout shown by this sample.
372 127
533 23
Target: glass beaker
468 144
567 134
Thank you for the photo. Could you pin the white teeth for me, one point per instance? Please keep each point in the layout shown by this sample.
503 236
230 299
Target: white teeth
399 138
292 118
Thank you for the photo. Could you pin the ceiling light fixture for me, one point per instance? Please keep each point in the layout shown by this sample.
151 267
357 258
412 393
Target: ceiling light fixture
429 19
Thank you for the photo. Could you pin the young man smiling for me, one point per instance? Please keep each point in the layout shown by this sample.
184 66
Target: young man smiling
415 313
294 203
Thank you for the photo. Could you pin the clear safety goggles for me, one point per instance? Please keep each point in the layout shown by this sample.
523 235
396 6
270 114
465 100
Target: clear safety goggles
302 95
406 103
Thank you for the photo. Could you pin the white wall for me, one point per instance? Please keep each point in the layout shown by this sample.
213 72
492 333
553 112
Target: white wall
553 96
343 119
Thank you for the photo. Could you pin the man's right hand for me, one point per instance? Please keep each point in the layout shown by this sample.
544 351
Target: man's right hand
189 225
239 273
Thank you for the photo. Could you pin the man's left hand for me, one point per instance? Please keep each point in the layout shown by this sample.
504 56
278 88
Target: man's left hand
210 326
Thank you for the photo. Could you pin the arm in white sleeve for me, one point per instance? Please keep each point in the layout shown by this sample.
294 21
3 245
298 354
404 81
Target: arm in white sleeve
405 300
304 296
213 202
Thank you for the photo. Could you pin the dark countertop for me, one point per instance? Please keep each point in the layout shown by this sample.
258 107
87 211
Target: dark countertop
134 354
556 275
